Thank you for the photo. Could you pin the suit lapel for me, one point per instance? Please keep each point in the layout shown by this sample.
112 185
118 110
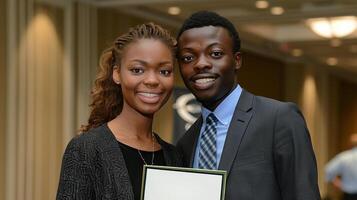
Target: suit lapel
194 131
236 130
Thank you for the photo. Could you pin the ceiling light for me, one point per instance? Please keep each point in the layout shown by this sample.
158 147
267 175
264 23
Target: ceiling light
174 10
332 61
297 52
261 4
333 27
277 10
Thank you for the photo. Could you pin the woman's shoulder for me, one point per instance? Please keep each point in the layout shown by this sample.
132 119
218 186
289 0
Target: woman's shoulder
87 141
87 136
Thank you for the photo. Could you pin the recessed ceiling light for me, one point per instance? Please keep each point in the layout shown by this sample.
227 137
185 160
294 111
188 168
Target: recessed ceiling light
277 10
261 4
332 61
174 10
297 52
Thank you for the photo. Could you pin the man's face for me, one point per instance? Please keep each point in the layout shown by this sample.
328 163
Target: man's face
207 63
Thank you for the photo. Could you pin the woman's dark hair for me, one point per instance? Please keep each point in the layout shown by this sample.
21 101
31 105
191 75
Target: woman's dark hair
107 100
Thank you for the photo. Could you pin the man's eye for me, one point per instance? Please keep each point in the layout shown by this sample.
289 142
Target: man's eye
216 54
187 58
137 71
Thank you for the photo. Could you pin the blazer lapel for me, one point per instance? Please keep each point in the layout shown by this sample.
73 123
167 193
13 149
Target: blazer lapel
115 158
236 130
194 131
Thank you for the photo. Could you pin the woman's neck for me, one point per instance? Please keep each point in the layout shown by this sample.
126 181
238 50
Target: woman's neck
134 129
133 124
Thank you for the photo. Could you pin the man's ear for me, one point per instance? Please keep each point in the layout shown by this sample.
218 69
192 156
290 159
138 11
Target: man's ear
116 74
238 60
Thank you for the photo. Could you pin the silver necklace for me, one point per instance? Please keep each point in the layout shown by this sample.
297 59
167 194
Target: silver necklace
153 152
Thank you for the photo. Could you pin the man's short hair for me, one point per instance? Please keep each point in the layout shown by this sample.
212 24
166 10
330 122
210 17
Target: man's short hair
208 18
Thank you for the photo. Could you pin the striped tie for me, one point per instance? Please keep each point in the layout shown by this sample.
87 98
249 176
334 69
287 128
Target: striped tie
207 154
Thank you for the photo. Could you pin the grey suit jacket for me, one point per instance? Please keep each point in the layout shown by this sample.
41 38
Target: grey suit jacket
267 153
93 167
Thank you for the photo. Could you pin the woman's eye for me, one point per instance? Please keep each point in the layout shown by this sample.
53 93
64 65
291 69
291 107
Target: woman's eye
137 70
216 54
165 72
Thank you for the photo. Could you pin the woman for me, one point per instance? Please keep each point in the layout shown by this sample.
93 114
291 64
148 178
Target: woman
135 80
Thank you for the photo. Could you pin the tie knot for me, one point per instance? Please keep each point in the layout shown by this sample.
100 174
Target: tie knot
211 119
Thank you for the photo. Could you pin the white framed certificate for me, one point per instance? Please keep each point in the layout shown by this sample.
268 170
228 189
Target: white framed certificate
177 183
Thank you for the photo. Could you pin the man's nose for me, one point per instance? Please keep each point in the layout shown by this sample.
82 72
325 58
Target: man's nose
203 63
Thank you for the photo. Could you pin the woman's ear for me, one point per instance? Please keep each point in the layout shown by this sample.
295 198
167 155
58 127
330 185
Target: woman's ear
116 74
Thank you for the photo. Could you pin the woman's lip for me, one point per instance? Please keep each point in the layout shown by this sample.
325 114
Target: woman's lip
149 97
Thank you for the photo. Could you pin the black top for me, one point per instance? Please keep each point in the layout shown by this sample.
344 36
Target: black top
134 164
93 167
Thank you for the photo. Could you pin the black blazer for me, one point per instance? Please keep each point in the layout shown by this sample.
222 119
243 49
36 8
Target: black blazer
93 167
267 153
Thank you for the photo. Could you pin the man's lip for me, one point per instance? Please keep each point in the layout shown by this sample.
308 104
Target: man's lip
203 76
203 81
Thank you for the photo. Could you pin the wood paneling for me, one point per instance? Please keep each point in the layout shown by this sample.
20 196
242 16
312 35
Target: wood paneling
347 113
2 97
262 76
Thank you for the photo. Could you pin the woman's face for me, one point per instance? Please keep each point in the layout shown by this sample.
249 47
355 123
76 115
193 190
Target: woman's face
145 75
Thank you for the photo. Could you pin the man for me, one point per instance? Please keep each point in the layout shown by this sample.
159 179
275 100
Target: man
342 171
263 144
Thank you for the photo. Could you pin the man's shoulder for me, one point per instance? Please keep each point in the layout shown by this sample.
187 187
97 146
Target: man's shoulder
260 102
268 108
270 101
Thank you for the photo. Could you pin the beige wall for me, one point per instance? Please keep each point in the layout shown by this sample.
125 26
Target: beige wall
2 97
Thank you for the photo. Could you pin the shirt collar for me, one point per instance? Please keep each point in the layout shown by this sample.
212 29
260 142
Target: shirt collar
225 109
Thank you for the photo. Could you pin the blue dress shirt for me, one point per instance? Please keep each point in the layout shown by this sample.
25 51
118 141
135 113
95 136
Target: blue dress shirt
224 113
344 165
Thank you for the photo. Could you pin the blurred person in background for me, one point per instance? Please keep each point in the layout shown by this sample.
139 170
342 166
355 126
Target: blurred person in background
341 171
134 81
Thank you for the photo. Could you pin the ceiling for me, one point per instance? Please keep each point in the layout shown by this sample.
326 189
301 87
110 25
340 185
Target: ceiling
272 35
